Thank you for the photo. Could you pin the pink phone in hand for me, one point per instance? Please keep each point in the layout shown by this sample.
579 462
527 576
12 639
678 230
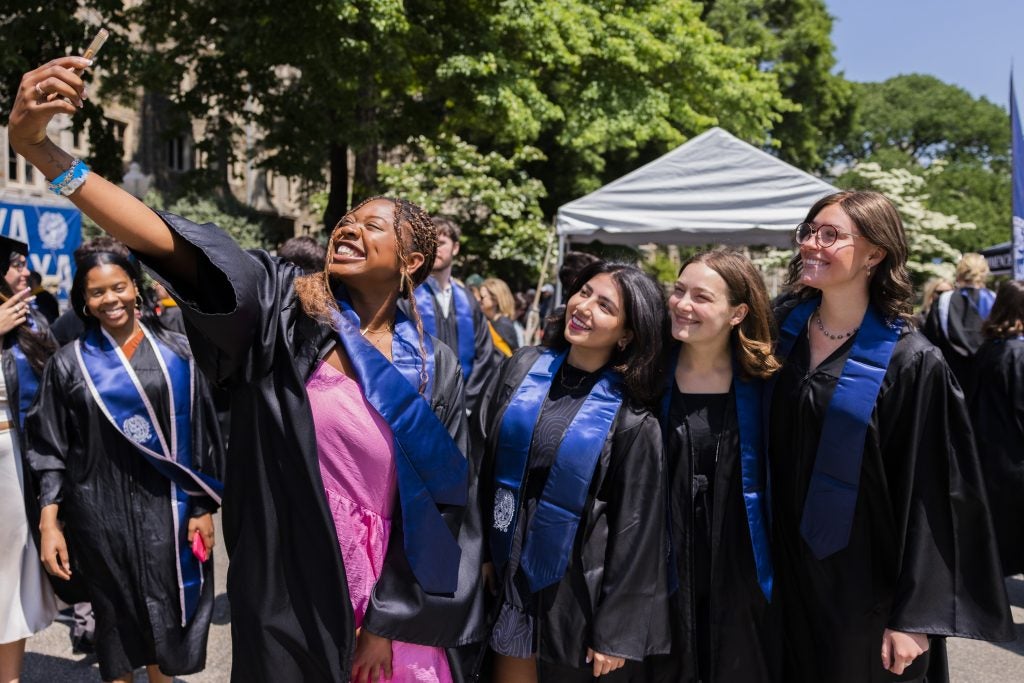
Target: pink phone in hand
199 548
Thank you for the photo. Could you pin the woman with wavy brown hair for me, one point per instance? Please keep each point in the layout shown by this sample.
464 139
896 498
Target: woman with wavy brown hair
354 555
996 401
725 624
881 529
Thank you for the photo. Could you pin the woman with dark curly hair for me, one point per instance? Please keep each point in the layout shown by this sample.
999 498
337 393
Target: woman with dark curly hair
352 552
881 529
996 401
573 489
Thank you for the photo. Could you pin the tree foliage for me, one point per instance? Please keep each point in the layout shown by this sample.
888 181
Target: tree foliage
792 40
491 197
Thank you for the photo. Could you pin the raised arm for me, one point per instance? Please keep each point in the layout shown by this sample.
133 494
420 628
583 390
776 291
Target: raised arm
55 88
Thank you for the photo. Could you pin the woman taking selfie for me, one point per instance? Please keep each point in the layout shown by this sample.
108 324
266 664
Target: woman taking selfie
352 555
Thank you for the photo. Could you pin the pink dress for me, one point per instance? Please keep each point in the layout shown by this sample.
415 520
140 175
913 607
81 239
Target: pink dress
357 464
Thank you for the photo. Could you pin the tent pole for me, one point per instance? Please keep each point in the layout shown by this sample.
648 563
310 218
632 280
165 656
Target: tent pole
563 243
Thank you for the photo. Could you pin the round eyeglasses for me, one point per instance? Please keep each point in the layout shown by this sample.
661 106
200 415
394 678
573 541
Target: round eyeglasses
825 234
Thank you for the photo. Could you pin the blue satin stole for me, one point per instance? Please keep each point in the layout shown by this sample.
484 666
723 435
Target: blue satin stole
463 312
431 469
119 394
549 539
986 299
748 395
832 494
28 380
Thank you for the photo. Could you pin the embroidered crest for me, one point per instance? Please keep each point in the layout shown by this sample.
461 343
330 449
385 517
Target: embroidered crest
137 429
504 509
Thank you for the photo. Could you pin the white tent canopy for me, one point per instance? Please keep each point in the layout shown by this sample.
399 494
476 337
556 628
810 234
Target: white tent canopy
714 188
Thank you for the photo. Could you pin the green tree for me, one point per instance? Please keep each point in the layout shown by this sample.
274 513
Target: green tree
495 202
910 123
32 33
792 39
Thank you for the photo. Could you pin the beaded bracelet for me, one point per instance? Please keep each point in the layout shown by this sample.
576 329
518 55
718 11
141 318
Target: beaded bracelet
70 180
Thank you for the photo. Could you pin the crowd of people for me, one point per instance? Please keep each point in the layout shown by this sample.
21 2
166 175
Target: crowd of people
709 486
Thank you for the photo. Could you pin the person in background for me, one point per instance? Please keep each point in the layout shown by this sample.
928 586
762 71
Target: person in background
27 602
499 307
43 301
69 326
305 252
116 408
933 289
954 322
997 411
451 314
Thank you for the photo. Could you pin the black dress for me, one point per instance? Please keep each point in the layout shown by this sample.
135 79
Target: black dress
117 513
724 628
291 616
921 556
997 409
613 595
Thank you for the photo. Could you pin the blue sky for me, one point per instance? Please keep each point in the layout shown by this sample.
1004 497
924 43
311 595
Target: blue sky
966 42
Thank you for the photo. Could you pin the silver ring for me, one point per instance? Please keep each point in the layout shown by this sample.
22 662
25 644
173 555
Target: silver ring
39 90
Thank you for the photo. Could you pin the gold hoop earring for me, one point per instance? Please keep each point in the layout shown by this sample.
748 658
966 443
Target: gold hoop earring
139 302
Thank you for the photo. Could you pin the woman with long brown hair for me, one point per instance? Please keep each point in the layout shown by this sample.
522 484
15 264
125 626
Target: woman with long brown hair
881 531
996 401
352 552
725 622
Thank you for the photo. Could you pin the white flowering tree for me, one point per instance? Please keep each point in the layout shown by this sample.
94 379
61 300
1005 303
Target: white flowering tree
929 255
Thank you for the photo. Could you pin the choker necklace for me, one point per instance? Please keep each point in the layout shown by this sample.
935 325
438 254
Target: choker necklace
834 337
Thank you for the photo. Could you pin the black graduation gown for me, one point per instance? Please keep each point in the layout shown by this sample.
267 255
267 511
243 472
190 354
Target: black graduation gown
745 637
962 338
997 409
613 597
291 615
921 556
485 363
116 509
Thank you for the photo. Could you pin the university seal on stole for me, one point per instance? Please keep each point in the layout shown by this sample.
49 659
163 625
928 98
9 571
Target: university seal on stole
504 509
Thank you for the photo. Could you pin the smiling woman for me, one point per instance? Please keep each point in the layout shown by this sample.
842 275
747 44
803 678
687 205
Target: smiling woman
877 497
573 470
339 521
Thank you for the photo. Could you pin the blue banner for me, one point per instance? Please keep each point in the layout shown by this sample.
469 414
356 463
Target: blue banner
1017 238
52 234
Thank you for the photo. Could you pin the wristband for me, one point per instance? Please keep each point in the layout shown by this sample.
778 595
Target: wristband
70 180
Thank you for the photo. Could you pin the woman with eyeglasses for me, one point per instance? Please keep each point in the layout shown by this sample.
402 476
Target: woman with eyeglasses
881 529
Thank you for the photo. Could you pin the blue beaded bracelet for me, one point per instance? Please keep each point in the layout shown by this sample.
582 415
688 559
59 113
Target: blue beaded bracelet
70 180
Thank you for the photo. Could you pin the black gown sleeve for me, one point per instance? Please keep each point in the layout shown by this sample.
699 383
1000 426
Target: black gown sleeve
47 427
232 317
949 580
208 445
634 573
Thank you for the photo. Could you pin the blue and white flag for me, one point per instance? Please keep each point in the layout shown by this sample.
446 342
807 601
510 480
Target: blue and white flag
1017 238
52 235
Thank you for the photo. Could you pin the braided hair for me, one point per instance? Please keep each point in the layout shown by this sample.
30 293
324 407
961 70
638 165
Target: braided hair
314 290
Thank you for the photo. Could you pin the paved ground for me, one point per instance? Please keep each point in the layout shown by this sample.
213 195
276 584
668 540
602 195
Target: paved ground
49 659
